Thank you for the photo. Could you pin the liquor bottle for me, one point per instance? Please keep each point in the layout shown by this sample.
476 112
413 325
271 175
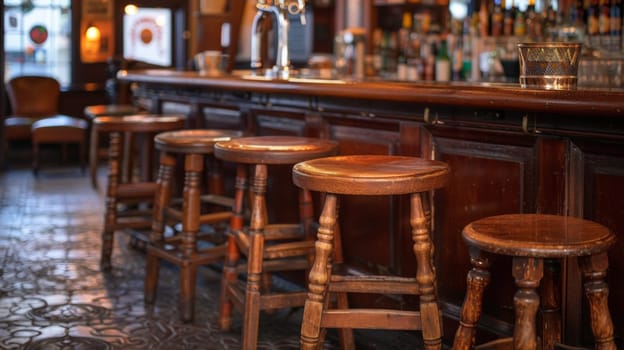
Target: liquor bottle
443 63
615 25
457 62
604 26
519 24
404 46
414 62
593 15
484 19
508 20
531 19
394 51
377 50
497 19
550 21
428 58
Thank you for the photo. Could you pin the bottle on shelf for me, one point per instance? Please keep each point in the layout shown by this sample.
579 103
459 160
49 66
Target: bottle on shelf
508 20
457 61
519 23
532 23
593 27
484 19
604 25
428 58
404 46
615 25
442 62
414 61
377 39
497 18
468 36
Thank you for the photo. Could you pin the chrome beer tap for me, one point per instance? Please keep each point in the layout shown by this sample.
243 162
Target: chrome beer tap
278 10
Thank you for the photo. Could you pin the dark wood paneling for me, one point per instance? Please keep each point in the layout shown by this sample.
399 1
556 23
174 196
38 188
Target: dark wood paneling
490 175
281 192
599 185
380 229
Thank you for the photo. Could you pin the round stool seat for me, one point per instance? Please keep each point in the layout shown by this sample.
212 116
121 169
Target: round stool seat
193 141
370 174
538 235
274 149
95 111
138 123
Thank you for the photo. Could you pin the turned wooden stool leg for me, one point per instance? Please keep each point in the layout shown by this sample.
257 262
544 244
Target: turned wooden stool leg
111 202
233 255
163 195
254 267
161 200
550 302
425 276
527 272
594 269
347 340
191 207
318 280
478 278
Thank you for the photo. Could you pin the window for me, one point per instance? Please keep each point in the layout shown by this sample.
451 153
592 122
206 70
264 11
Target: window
37 38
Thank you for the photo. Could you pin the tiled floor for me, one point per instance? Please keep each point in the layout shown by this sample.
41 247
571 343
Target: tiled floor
53 295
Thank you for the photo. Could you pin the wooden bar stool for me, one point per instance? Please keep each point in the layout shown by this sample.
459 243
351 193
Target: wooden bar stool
92 112
268 247
184 250
368 175
530 239
128 201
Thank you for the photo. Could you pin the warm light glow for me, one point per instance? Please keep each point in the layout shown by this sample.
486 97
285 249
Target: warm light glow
131 9
93 33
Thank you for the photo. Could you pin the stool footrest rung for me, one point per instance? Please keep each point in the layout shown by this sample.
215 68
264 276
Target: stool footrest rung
217 199
372 319
171 253
286 264
278 232
380 284
290 249
213 218
275 300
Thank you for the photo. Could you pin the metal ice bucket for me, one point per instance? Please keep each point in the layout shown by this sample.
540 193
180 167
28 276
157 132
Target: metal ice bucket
549 65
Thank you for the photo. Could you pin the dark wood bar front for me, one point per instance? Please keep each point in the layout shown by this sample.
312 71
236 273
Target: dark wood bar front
510 150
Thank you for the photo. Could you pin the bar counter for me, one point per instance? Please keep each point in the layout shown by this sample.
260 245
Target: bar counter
510 150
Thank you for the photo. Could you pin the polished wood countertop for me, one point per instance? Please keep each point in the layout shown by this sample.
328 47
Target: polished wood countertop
582 102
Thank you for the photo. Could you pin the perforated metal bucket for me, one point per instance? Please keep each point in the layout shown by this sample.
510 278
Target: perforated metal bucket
549 65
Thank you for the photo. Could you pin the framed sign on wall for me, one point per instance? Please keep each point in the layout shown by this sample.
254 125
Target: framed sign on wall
147 36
